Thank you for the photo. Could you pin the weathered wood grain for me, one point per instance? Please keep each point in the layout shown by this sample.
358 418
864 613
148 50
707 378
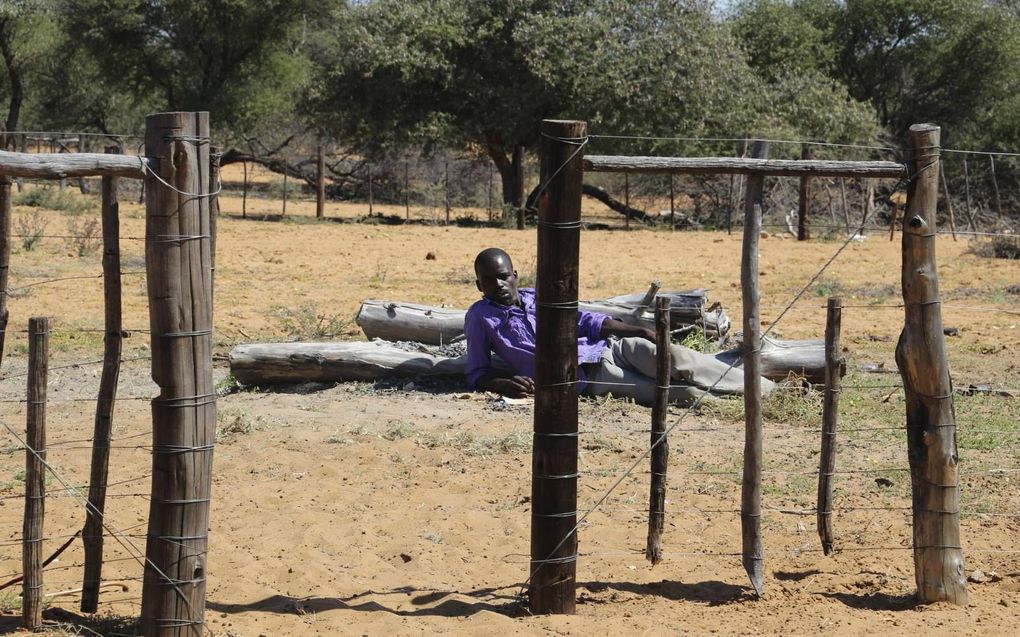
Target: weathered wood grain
63 165
744 166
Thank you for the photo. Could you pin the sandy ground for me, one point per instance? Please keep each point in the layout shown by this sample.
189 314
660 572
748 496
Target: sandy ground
404 509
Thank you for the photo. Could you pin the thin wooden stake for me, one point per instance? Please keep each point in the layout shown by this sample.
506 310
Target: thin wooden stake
215 155
320 182
846 208
244 191
995 186
626 200
518 167
869 202
24 149
894 213
750 498
180 290
488 201
92 534
554 458
830 419
83 147
659 443
446 189
740 186
970 205
672 211
921 359
804 198
35 473
407 192
949 204
286 170
5 257
371 198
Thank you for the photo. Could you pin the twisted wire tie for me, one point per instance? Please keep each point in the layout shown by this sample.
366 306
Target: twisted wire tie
557 305
170 450
184 334
565 514
558 435
174 238
564 225
557 560
565 476
192 501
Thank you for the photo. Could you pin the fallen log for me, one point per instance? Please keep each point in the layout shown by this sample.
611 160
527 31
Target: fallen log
781 358
269 363
399 321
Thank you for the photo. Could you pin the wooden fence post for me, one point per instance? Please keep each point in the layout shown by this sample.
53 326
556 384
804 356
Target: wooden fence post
371 198
244 193
659 443
949 203
970 206
846 207
554 459
407 192
320 182
750 498
921 358
24 149
804 198
5 257
83 147
626 200
286 170
488 201
672 205
35 473
215 155
830 419
178 260
92 534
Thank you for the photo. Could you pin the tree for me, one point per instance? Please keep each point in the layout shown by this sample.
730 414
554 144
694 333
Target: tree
239 59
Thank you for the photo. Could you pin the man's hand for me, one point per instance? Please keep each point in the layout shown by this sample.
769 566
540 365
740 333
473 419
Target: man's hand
616 327
515 387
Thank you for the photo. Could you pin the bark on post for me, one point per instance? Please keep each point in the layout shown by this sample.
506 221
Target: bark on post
921 358
830 419
371 198
804 198
244 192
949 204
83 147
35 473
320 182
215 155
5 257
518 166
92 534
750 498
178 259
554 459
24 150
846 208
660 445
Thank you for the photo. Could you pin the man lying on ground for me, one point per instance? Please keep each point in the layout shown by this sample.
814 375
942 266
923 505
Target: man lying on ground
613 357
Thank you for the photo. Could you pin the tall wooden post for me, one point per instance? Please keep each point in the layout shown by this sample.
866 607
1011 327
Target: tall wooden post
518 168
320 182
750 495
286 171
24 149
921 358
92 534
554 459
830 419
178 266
35 473
804 198
83 147
846 207
5 257
488 200
244 191
215 155
659 443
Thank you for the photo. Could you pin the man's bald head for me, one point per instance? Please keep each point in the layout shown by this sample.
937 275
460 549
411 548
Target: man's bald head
495 276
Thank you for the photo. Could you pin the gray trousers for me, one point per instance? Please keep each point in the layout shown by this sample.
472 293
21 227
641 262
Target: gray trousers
627 370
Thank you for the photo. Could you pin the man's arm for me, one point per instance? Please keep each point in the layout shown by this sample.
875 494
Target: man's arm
515 387
616 327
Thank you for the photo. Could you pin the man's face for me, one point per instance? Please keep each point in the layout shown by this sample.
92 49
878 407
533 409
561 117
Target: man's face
497 281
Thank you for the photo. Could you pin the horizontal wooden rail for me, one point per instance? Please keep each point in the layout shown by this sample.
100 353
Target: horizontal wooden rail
61 165
737 165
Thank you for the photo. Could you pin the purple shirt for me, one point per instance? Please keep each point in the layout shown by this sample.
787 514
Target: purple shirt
510 332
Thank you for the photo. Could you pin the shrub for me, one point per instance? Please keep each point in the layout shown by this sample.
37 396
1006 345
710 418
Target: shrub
30 228
84 236
53 199
1001 247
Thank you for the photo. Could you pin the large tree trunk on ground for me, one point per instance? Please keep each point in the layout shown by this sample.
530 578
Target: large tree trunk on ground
781 358
397 321
268 363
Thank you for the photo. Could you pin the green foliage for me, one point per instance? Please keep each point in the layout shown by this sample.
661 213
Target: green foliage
52 198
306 323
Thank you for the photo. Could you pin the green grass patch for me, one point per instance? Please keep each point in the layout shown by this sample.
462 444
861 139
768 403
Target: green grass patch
51 198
